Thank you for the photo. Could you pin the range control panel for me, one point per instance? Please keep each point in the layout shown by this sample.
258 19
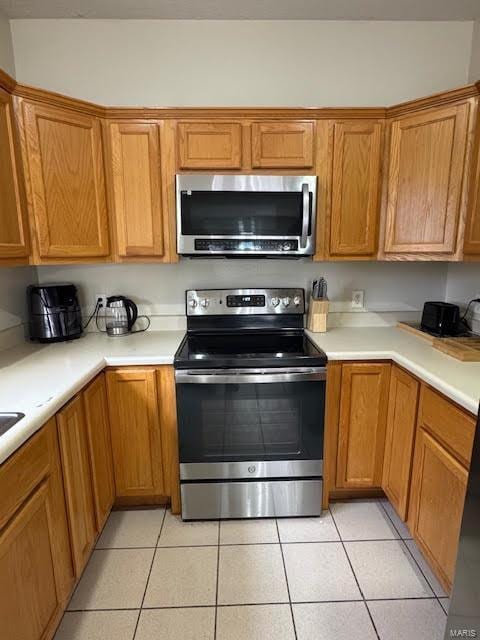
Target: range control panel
222 302
245 301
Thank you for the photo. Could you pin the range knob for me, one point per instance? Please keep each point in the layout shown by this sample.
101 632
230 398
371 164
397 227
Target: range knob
286 246
286 301
204 302
275 302
193 303
297 300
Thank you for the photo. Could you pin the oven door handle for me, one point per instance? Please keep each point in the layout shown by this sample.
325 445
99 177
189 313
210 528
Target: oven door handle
305 216
255 376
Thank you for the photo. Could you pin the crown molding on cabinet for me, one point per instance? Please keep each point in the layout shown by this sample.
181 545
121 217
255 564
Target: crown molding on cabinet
269 113
7 82
436 100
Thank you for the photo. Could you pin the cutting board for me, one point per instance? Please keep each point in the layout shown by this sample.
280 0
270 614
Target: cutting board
465 349
414 328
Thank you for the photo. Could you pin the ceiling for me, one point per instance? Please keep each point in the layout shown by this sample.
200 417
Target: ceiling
246 9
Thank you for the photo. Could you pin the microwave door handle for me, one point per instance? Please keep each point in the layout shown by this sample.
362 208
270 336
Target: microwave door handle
305 216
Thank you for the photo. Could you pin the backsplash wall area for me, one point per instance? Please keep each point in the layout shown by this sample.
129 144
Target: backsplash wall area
391 289
13 282
463 284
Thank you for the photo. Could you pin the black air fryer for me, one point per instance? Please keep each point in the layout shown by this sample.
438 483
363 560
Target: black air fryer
54 312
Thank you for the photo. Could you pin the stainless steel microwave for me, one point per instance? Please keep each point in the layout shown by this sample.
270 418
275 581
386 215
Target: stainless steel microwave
246 215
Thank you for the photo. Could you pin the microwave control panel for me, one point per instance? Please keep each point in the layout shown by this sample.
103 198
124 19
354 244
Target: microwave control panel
240 245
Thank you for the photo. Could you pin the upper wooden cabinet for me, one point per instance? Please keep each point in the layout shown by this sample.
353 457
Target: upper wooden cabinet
209 145
134 172
353 224
426 172
282 145
135 432
100 448
36 574
77 480
65 183
362 423
402 417
472 226
13 225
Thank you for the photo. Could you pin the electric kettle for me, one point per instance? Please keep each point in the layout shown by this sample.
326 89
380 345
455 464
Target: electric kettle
120 315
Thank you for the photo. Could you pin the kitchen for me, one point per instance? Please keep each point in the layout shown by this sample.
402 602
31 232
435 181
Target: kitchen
233 470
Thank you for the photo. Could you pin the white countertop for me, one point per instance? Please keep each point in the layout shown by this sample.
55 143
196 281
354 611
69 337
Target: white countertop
38 380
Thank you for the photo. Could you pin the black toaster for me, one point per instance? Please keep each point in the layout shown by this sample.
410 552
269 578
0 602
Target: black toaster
440 318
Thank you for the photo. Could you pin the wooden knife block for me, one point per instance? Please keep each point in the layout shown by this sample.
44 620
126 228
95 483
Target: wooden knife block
317 315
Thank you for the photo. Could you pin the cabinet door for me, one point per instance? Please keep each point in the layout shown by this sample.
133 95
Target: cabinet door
282 145
66 179
402 416
355 188
425 179
363 418
27 578
100 448
208 145
36 574
135 430
135 187
13 230
438 493
472 227
77 480
168 421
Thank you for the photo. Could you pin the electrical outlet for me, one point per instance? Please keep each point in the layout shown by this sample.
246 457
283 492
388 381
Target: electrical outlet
102 297
357 299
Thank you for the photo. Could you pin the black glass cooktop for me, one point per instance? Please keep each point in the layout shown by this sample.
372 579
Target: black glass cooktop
248 349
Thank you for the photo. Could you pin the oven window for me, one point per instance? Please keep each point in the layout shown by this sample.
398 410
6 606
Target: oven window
237 213
236 422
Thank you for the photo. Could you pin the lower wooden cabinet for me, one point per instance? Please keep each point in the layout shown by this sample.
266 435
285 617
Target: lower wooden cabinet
100 448
401 421
135 431
72 432
439 484
362 423
36 573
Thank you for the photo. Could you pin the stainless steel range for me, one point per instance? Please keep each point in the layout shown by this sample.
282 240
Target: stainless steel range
250 404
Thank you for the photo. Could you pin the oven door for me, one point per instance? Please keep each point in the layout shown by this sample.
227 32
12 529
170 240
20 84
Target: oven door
246 214
250 423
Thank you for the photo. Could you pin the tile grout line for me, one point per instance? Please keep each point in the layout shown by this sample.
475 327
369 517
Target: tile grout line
354 574
218 573
286 580
149 574
413 557
249 604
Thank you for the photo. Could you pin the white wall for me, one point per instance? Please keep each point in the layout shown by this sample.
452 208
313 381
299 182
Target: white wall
13 282
160 289
6 46
463 284
474 70
183 63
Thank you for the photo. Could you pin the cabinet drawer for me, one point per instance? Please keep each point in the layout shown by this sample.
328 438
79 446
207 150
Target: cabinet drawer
22 472
453 427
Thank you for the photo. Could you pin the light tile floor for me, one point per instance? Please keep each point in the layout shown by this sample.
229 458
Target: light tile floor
353 574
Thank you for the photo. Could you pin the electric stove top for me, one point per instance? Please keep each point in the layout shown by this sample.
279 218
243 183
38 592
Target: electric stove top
248 349
241 328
